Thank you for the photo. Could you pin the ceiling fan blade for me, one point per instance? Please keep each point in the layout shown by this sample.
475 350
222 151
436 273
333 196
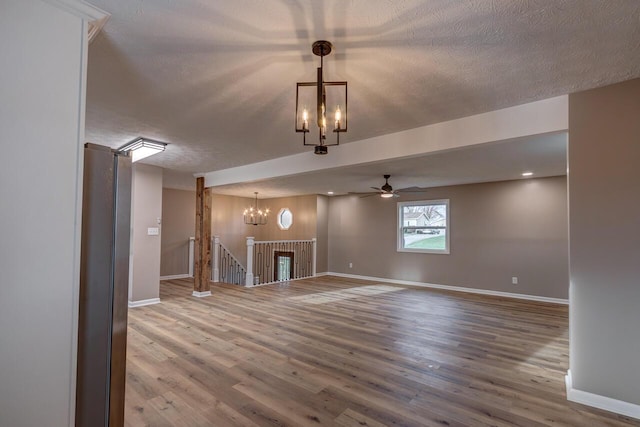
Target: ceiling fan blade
369 195
411 190
377 189
396 195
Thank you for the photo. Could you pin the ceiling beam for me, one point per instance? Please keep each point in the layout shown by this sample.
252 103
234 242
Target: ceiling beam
535 118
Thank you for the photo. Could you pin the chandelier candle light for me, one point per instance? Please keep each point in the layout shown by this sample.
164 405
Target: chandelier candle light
337 94
255 216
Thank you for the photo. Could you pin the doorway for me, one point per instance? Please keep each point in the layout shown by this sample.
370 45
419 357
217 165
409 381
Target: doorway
283 262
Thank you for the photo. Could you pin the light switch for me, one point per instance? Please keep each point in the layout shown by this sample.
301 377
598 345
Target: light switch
153 231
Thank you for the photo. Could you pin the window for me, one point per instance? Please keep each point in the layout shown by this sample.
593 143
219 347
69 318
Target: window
285 219
423 226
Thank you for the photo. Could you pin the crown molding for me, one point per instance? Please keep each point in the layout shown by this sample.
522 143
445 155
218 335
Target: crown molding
81 9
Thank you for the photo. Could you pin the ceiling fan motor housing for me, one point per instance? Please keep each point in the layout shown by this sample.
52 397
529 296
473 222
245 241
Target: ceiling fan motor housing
386 187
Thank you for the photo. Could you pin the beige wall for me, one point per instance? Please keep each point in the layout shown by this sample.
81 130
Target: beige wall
498 230
178 224
322 245
146 210
228 223
604 205
304 219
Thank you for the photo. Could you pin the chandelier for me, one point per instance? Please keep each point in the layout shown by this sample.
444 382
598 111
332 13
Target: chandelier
325 93
255 216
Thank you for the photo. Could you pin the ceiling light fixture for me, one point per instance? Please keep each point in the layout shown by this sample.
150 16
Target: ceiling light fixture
141 148
527 173
330 193
337 94
255 216
386 191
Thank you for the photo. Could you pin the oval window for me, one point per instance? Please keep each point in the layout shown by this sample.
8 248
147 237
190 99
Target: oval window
285 219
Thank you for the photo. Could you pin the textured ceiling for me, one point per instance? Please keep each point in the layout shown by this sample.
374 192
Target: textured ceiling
216 79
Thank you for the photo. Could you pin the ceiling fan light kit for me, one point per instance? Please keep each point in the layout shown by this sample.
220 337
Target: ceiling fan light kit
336 92
386 191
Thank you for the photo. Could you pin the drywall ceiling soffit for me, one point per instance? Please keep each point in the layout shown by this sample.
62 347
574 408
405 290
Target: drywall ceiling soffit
536 118
545 155
217 79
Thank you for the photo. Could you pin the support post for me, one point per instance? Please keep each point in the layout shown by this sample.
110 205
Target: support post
192 241
202 273
249 278
216 258
313 256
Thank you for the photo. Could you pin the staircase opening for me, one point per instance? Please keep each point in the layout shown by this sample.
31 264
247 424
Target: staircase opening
284 265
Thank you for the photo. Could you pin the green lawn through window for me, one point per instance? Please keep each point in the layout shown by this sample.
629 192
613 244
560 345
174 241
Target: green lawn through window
437 242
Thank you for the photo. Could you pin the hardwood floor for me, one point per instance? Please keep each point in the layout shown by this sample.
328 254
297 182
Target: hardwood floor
338 352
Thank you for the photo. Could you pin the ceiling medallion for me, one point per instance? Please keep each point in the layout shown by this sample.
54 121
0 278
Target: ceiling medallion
326 93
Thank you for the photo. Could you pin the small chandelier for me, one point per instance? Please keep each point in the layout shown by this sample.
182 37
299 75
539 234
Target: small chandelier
336 92
255 216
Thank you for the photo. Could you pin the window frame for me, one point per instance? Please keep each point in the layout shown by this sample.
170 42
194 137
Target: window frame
400 227
280 225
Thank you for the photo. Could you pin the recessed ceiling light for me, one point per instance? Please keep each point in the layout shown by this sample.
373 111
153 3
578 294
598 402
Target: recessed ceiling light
527 173
330 193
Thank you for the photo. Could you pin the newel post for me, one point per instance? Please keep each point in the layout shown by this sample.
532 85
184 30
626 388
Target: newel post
313 256
216 258
192 241
249 279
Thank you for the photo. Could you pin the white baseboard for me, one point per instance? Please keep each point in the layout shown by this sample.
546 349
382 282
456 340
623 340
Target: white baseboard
600 402
143 302
453 288
175 276
201 294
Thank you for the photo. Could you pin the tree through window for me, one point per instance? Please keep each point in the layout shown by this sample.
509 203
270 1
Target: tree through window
423 226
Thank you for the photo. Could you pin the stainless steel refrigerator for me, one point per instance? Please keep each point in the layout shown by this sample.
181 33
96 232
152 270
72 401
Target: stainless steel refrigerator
104 278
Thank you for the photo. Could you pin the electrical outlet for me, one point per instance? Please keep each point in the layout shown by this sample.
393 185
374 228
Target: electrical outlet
514 280
350 265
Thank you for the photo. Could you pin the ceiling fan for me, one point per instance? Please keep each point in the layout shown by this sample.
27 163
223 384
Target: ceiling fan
387 191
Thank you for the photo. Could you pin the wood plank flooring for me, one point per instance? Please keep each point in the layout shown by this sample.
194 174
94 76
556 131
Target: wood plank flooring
337 352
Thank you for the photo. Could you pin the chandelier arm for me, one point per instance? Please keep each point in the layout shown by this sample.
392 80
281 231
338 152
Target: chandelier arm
304 140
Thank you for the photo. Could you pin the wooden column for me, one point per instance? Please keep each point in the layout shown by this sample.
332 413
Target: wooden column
202 269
